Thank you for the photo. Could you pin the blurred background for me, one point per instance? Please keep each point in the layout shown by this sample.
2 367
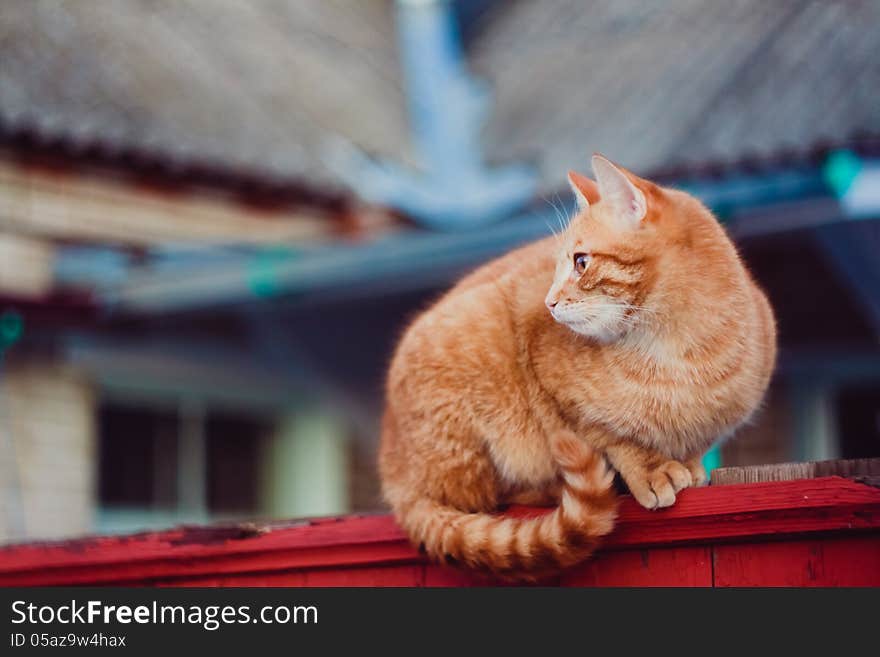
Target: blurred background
217 217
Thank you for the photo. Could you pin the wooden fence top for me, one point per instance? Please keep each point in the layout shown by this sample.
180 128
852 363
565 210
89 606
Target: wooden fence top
755 511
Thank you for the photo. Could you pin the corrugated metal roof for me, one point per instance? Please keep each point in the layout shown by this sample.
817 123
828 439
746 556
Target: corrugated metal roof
662 84
252 85
164 169
270 85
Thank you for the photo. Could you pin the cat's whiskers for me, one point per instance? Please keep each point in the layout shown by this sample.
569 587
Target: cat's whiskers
553 232
610 305
564 217
557 232
618 316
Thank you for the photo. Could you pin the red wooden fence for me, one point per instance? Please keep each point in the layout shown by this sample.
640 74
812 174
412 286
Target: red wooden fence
813 532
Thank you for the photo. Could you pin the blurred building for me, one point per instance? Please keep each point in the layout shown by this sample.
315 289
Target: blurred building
215 221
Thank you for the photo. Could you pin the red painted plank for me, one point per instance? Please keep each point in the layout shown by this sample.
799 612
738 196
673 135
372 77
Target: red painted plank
845 561
761 509
177 566
385 576
445 576
675 566
700 516
186 542
296 578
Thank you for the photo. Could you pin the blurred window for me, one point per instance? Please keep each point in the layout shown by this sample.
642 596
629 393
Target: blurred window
137 457
160 465
235 447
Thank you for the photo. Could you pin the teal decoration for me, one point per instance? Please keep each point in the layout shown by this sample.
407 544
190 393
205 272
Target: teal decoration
840 171
11 328
263 272
712 459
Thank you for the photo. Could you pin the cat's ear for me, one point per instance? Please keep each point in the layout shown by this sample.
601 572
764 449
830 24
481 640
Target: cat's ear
585 190
616 187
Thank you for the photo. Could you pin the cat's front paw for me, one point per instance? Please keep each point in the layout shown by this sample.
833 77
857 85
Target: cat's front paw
698 472
655 488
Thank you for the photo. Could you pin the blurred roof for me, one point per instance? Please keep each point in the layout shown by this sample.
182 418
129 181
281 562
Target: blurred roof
162 170
271 85
658 84
253 85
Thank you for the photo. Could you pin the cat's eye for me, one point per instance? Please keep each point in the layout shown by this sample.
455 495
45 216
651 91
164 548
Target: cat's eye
580 262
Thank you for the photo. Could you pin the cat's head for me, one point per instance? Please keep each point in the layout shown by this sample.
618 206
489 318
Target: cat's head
608 280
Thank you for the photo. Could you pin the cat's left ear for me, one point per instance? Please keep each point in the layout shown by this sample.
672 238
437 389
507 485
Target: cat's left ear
627 201
585 190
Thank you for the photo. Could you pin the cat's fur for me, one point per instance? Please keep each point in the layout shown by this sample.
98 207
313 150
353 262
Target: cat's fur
514 385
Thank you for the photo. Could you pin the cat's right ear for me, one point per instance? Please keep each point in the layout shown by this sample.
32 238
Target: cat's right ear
620 192
585 190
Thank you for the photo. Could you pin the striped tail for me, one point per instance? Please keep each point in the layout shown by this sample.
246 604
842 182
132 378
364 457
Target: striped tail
524 548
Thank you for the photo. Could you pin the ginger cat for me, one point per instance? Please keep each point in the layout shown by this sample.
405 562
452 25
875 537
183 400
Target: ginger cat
637 335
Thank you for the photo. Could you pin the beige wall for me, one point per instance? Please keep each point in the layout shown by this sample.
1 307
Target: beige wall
306 466
47 460
80 206
25 265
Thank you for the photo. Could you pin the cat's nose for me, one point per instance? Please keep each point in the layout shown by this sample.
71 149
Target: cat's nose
551 303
